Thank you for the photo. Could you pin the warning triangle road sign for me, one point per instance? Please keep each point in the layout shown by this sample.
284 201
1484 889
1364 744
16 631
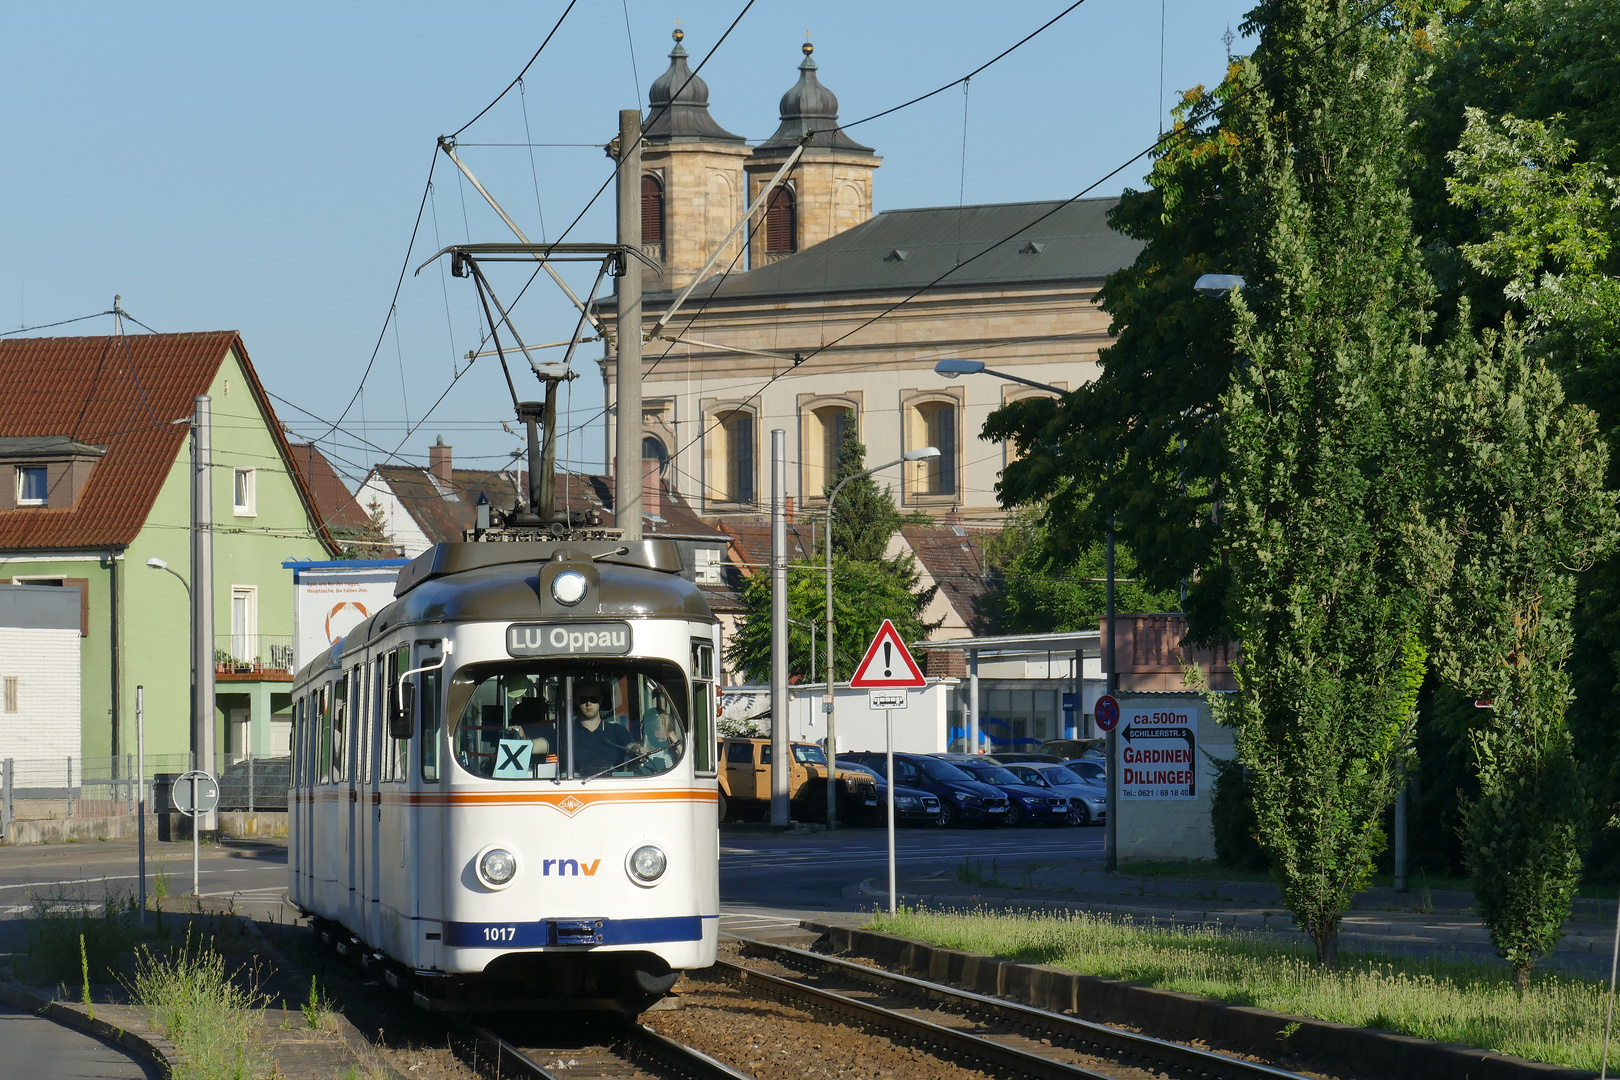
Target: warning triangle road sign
887 663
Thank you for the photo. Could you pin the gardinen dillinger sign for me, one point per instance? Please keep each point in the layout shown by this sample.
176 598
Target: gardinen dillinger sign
1158 753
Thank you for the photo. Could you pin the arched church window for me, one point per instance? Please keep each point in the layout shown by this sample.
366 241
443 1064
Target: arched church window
781 223
653 449
652 211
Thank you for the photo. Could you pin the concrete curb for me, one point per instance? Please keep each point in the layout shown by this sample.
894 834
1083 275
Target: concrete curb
1278 923
1187 1017
154 1048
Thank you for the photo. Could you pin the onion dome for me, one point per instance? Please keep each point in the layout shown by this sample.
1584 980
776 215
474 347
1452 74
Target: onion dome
810 107
679 105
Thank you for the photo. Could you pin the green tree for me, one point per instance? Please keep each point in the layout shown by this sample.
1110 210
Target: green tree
1037 586
868 586
1146 436
1325 468
1520 484
369 541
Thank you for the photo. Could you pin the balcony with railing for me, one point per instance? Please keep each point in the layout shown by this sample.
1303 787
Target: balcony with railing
253 658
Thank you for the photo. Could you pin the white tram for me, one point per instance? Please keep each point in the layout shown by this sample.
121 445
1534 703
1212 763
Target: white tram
504 782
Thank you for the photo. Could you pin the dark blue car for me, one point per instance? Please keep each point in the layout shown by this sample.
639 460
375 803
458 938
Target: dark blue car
961 798
1027 804
910 804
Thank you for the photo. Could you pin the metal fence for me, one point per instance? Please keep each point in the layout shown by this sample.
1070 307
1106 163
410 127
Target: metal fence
33 789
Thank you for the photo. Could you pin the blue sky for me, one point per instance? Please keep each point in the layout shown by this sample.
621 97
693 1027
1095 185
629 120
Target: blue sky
259 169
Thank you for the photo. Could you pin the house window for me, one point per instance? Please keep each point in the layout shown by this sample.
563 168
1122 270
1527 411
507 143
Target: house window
245 624
836 425
781 232
938 428
652 211
11 693
30 485
242 492
729 465
653 449
706 566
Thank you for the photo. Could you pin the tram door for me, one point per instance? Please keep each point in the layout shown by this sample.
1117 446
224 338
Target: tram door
378 743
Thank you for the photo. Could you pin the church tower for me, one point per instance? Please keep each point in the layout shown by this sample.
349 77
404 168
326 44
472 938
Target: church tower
692 177
828 191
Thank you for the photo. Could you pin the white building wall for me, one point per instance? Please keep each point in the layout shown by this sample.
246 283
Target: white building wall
44 731
396 519
920 728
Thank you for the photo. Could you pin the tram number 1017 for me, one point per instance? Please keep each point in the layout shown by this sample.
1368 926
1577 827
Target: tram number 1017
500 933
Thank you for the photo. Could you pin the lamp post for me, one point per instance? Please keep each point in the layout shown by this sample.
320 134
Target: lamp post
921 454
159 564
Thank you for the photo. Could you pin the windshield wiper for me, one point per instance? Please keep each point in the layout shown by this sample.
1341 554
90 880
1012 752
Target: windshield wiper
630 761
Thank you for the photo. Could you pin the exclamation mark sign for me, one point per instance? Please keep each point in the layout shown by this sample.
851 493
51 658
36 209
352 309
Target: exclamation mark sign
888 660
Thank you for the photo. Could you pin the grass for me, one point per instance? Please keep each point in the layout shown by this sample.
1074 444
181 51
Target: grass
1558 1020
210 1014
66 943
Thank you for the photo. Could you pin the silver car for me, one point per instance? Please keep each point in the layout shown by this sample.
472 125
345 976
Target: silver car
1088 802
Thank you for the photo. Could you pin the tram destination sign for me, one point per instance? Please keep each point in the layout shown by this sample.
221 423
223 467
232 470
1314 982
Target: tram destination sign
568 639
1158 753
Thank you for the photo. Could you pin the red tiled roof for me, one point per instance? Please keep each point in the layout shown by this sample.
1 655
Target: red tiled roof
751 541
954 556
122 393
334 502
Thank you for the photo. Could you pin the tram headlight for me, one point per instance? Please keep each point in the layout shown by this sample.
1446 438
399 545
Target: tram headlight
496 867
568 588
647 864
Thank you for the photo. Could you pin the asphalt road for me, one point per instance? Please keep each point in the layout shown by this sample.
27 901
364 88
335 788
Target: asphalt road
784 876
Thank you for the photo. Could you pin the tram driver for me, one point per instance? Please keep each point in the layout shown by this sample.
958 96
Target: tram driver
599 743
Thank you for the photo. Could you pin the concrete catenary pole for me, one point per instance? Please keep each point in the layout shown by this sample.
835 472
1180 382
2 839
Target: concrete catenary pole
202 593
1111 840
781 816
627 470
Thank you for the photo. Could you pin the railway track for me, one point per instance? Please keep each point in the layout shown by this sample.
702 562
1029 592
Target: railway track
1001 1037
608 1049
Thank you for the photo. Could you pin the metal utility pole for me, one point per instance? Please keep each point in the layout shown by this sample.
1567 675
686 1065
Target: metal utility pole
202 594
1111 841
627 471
781 817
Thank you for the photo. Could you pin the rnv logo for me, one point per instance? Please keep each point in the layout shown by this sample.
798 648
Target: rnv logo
566 867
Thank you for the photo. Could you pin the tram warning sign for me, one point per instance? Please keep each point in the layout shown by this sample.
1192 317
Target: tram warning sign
887 664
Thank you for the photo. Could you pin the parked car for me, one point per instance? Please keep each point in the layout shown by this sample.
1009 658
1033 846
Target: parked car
910 804
745 782
1011 756
1091 770
1028 805
1065 749
267 789
961 797
1088 801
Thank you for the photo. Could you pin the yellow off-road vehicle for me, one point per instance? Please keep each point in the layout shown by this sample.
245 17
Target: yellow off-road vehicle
745 783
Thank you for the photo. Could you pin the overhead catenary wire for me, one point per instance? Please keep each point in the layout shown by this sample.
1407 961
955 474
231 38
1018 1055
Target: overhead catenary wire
520 74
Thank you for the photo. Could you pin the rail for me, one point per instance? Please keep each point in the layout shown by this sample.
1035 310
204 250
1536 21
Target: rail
1128 1050
632 1044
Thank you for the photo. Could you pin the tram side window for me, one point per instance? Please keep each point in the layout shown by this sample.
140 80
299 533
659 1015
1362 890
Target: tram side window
399 756
427 706
551 719
324 765
340 726
297 741
703 708
362 726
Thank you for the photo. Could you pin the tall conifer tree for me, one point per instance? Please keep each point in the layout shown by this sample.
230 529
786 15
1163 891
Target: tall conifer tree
1325 471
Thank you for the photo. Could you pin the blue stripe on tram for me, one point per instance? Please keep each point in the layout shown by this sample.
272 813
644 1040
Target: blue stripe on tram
529 935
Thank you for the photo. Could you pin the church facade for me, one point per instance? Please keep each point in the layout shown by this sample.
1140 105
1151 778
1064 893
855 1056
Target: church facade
822 314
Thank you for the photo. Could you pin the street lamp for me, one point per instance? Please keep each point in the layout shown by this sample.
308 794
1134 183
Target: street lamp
159 564
953 368
921 454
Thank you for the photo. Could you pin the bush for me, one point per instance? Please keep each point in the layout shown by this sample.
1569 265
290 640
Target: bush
1231 818
212 1016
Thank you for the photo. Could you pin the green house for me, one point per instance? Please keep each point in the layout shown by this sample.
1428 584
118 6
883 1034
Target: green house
95 495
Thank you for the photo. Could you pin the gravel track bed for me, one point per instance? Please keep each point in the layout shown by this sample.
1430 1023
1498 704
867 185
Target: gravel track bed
772 1041
1006 1034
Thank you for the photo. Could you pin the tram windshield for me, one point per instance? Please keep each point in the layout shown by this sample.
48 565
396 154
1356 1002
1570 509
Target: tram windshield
556 719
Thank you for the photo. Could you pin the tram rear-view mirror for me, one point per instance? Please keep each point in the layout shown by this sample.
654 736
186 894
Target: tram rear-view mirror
400 721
